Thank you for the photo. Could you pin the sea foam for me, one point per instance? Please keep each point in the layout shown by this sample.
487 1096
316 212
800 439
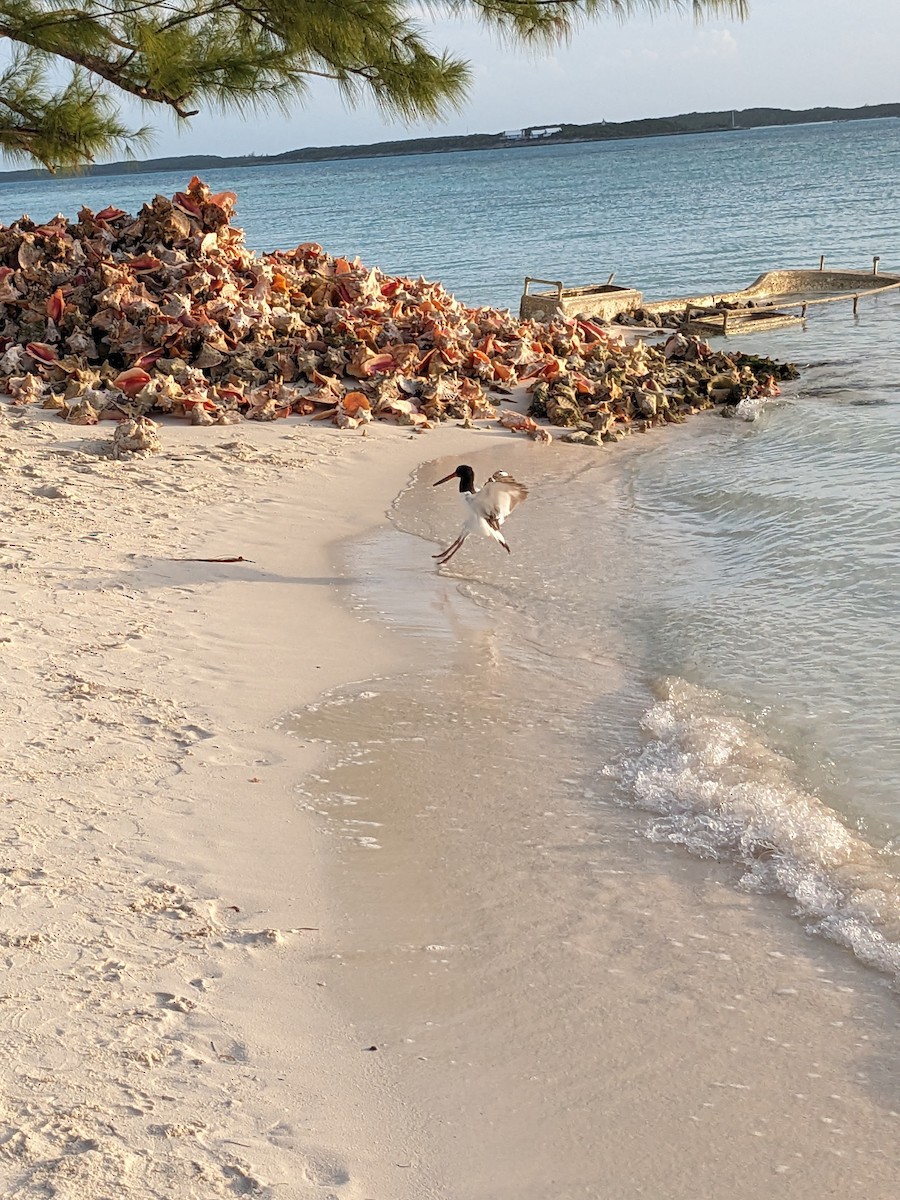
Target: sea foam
717 789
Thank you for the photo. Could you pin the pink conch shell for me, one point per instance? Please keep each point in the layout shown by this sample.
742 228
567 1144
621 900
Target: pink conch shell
41 352
56 306
147 360
353 402
224 200
145 262
187 203
519 423
131 381
110 214
379 364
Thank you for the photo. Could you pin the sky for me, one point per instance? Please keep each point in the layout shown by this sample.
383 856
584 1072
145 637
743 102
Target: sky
787 54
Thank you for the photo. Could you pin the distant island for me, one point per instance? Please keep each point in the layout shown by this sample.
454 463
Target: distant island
601 131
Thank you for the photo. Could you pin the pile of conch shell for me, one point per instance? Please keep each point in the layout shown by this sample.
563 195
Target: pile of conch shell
119 316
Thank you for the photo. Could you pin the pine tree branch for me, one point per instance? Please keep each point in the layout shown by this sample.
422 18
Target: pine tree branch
242 54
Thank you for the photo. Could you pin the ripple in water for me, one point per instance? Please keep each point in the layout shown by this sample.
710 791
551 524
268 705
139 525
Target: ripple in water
721 792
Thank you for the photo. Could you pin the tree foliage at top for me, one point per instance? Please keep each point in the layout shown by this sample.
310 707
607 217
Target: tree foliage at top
70 61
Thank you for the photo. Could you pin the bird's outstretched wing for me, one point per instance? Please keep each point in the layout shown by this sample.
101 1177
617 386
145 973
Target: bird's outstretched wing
500 496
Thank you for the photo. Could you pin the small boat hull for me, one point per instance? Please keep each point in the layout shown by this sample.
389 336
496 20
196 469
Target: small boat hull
599 301
775 300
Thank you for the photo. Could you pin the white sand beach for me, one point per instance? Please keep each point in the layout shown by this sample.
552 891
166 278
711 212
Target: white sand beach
211 991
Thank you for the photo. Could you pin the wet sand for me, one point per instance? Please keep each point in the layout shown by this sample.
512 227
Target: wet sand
579 1011
363 949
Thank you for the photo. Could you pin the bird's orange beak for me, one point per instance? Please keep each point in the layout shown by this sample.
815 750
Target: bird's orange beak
445 480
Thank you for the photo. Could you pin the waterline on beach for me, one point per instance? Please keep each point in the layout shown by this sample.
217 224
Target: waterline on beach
727 777
520 951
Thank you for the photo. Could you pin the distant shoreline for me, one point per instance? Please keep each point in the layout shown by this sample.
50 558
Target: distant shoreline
726 121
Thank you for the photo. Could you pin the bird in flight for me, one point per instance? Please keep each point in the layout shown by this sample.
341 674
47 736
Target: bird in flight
488 506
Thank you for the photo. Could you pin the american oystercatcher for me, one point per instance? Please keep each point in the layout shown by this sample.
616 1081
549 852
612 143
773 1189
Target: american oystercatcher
488 506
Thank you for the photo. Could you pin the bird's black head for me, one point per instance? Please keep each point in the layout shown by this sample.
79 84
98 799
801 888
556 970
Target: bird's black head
464 474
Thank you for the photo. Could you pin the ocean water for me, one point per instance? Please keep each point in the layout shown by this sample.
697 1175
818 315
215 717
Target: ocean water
666 214
721 600
743 575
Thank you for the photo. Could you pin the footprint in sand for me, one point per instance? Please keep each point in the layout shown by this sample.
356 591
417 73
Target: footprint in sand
321 1170
173 1003
241 1182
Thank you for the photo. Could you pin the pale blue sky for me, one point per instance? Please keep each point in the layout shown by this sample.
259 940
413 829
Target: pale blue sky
788 54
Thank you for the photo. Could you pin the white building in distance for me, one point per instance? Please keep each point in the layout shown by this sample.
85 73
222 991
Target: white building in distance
523 135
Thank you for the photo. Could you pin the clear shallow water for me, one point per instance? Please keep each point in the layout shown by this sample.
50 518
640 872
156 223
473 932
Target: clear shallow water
731 643
744 574
783 588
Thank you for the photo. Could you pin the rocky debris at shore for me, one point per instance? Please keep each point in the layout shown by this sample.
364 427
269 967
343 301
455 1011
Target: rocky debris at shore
649 319
116 316
654 385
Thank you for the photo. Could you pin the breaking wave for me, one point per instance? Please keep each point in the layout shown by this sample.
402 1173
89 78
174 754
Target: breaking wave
718 790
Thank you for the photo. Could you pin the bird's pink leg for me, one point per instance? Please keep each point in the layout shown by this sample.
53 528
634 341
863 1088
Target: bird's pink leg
453 546
447 554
